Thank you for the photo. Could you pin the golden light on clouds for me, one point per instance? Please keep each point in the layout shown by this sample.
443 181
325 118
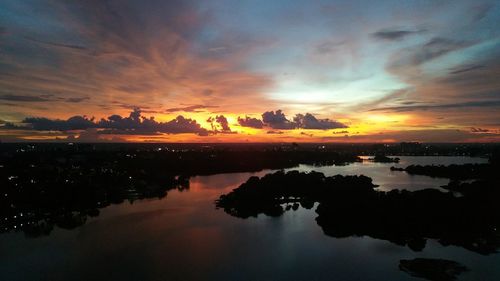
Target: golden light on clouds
358 79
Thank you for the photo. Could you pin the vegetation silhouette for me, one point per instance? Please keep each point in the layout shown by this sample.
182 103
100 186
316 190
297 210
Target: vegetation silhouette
44 185
455 172
267 194
351 206
47 185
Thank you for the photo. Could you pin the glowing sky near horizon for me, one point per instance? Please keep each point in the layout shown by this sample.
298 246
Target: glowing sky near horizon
378 71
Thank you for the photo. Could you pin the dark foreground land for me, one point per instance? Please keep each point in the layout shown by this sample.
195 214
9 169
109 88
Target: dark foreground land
351 206
467 216
43 184
47 185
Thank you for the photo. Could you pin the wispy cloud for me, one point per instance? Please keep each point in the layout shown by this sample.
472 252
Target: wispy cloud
466 68
396 33
54 44
191 108
41 98
471 104
21 98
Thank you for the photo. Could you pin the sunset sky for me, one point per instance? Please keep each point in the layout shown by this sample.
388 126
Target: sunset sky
250 71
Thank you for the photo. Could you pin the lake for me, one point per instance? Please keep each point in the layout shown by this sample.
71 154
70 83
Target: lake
184 237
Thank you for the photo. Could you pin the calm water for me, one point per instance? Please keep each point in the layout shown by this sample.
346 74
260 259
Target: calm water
387 179
183 237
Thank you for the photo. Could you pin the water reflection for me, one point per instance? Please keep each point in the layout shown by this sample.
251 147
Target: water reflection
350 206
387 179
183 237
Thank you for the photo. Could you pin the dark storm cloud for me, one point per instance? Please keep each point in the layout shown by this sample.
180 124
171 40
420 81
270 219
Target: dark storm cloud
135 123
308 121
277 120
181 125
223 124
394 34
73 123
222 120
250 122
191 108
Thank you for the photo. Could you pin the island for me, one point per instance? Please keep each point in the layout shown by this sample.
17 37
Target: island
352 206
